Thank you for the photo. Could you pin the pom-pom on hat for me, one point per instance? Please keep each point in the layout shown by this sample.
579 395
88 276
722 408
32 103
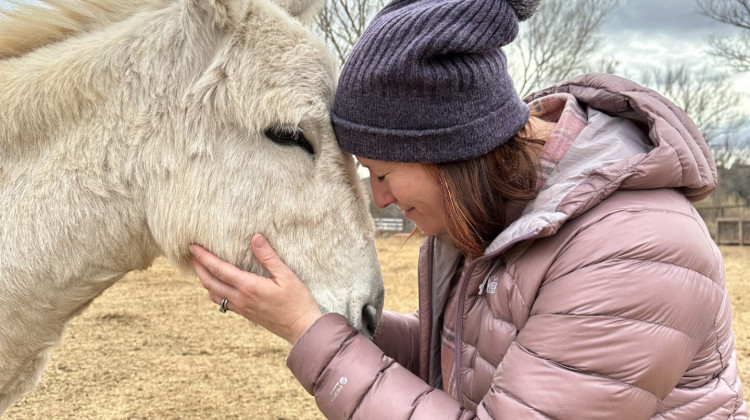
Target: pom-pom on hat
427 82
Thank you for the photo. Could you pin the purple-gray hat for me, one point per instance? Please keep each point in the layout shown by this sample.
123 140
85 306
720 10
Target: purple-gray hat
427 82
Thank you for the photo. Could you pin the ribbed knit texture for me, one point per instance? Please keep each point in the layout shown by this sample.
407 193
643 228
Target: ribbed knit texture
427 82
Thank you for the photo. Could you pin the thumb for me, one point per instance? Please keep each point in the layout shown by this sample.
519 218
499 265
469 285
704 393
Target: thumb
267 256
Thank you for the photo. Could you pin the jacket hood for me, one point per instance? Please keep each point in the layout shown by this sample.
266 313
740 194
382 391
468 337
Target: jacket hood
680 159
634 139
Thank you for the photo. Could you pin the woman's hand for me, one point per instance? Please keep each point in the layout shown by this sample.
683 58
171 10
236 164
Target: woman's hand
281 304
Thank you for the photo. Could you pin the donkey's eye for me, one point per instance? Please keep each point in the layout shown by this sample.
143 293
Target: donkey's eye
288 137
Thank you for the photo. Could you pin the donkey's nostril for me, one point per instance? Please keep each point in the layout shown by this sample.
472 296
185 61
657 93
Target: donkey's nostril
369 319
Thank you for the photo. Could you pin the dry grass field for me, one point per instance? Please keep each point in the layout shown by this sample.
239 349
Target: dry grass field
154 347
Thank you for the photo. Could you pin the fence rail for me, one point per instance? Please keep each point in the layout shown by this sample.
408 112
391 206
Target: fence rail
388 224
733 232
728 230
725 221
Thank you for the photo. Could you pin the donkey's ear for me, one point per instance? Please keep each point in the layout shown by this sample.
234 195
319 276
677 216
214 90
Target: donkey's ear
304 10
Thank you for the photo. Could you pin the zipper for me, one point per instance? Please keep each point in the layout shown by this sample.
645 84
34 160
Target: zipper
463 286
426 375
457 342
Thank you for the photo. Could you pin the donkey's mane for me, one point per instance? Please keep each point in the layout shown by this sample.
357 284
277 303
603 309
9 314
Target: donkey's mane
26 27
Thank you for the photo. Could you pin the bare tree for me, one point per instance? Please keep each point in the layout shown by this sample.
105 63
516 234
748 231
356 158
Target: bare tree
555 43
558 41
341 22
733 51
709 99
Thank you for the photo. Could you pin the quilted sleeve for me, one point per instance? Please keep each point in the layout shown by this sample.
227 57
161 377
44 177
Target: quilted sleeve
398 336
351 378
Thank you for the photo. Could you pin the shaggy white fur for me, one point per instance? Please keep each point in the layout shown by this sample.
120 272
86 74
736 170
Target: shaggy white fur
131 129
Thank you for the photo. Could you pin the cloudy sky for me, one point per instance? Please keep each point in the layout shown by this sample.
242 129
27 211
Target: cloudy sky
655 32
648 32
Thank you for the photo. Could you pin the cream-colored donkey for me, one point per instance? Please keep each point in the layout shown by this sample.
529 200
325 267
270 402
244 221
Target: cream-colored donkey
131 129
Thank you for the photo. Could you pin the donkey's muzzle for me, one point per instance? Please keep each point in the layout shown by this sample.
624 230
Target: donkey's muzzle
369 319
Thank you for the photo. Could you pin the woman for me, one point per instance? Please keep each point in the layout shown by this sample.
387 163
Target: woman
565 273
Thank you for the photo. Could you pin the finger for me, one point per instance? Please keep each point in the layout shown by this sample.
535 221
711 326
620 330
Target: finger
265 254
221 270
217 289
203 275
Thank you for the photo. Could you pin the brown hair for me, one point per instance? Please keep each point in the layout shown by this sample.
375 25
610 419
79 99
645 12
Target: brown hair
477 191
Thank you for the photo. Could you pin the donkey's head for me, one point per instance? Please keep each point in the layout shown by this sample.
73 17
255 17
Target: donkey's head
257 154
129 128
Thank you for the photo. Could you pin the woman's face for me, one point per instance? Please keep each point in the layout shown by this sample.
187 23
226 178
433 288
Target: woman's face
412 188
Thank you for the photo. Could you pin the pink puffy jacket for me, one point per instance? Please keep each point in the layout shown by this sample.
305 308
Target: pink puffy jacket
606 299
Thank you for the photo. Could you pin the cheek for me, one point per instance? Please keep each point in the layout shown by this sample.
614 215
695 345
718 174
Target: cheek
433 194
438 213
436 204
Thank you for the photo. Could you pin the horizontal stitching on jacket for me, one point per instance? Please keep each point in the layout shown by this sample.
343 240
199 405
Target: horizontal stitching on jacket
328 362
594 222
419 399
700 397
590 373
707 395
518 400
642 321
705 276
377 376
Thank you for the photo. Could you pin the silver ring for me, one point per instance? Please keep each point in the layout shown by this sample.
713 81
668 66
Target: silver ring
223 306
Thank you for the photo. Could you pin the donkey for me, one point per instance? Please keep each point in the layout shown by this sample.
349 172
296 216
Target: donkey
132 129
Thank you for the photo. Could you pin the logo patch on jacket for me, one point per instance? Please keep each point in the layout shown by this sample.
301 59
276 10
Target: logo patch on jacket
337 389
492 286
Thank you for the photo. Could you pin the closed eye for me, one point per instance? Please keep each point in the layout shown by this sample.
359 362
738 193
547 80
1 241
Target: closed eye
289 137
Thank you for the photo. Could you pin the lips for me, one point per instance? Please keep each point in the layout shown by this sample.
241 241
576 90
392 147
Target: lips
407 212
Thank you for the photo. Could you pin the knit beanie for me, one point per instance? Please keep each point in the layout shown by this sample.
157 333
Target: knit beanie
427 82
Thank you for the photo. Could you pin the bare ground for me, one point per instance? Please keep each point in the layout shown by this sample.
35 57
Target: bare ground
154 347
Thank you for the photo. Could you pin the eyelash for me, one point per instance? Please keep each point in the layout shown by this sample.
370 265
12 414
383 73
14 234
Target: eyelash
287 136
380 178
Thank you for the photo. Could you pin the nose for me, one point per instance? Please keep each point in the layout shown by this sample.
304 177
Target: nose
381 195
364 314
370 319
